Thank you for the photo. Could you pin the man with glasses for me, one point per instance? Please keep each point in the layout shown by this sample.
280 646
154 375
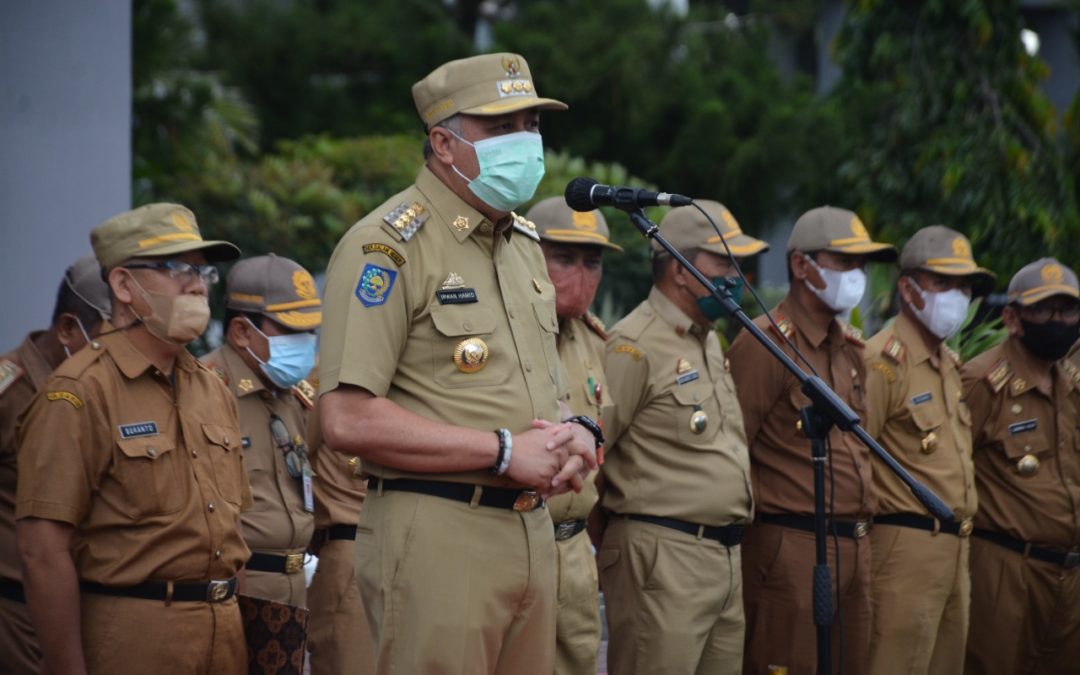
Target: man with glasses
272 311
1025 551
131 477
827 254
82 304
920 586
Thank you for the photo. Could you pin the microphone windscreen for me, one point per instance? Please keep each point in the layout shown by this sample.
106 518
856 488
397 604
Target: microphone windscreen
578 194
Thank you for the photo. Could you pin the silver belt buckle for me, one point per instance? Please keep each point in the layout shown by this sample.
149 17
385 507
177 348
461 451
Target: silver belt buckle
217 590
1072 558
564 530
862 528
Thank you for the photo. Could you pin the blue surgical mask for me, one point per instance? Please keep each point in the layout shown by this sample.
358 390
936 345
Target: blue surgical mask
291 357
511 167
711 307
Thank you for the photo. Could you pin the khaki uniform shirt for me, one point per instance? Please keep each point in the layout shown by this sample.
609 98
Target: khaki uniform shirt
663 369
771 399
914 409
399 306
150 473
581 350
277 521
339 491
1013 420
22 373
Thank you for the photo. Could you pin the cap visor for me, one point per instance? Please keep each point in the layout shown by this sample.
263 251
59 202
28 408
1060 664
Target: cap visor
215 251
514 104
583 238
1043 292
298 320
982 279
872 250
741 246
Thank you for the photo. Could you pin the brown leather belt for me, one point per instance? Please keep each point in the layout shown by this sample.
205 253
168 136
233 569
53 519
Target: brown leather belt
290 563
215 590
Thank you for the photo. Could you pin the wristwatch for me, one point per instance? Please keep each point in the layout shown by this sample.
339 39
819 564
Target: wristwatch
590 424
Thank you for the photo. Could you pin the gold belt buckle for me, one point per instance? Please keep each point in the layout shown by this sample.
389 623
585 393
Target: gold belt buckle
862 528
294 562
218 589
527 501
966 526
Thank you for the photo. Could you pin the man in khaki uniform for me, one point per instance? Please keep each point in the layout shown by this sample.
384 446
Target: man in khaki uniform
827 253
677 474
339 638
920 585
131 478
82 303
573 243
1025 551
273 309
439 368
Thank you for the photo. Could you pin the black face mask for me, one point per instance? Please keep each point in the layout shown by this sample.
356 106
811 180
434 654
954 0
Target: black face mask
1051 340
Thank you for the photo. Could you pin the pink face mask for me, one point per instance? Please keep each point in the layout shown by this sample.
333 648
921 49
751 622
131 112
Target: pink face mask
575 288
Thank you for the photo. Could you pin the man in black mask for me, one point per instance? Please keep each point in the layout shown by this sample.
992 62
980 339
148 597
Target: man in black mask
1025 552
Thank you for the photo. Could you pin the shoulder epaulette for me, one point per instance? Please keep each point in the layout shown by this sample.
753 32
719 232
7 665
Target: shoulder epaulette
74 366
10 372
595 325
952 354
220 372
524 226
405 219
894 349
783 327
853 334
999 376
1071 371
305 393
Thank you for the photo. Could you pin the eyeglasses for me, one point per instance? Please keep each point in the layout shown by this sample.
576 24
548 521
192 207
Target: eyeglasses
1037 314
295 453
181 271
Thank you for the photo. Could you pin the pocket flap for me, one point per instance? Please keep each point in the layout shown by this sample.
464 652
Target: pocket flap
150 448
1021 444
546 317
455 320
226 437
926 416
692 394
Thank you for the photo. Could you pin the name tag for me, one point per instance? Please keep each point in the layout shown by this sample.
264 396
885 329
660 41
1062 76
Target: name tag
687 377
922 398
456 296
1020 427
138 430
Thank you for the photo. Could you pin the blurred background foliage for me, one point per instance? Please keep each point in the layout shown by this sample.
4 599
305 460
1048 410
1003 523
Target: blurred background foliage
281 122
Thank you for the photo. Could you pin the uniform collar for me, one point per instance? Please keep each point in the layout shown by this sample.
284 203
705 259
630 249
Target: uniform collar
129 359
908 333
33 361
450 208
814 332
673 316
242 379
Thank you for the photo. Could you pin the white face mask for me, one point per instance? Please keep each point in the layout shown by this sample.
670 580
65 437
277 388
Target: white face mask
843 290
942 313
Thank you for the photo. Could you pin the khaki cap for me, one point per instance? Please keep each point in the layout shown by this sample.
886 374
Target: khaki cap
277 288
154 230
685 227
941 250
1042 279
555 221
489 84
827 228
85 281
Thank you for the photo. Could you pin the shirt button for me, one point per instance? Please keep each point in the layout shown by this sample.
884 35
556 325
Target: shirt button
226 439
513 314
528 366
194 453
210 506
151 452
467 325
854 373
217 553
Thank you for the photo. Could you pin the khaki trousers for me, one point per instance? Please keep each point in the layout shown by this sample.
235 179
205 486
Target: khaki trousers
920 593
123 636
777 572
288 589
577 614
454 589
673 601
20 653
338 635
1025 614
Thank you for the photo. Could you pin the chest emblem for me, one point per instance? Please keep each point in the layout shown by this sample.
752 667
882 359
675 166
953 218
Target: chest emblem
471 355
698 420
453 291
1027 465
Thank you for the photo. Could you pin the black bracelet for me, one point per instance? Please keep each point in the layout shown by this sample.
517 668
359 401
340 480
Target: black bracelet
593 428
499 468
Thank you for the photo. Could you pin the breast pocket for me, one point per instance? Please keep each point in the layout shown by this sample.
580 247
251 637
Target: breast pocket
927 419
697 413
223 444
147 470
466 350
1029 455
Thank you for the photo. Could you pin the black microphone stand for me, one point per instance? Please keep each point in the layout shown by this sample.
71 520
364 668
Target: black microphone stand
825 410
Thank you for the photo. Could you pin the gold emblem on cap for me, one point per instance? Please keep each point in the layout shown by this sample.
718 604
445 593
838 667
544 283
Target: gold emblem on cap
507 86
304 285
537 286
180 220
929 443
461 223
528 86
698 421
453 280
960 248
1052 273
512 66
682 366
583 220
858 229
729 221
245 385
471 355
1027 465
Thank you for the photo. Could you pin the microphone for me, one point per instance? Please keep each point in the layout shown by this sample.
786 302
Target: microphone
585 194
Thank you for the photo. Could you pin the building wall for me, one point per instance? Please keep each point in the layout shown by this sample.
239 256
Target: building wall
65 134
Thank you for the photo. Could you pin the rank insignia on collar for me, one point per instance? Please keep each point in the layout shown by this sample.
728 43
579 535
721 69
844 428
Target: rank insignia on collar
461 223
245 384
375 285
894 349
999 376
783 327
1018 385
406 219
